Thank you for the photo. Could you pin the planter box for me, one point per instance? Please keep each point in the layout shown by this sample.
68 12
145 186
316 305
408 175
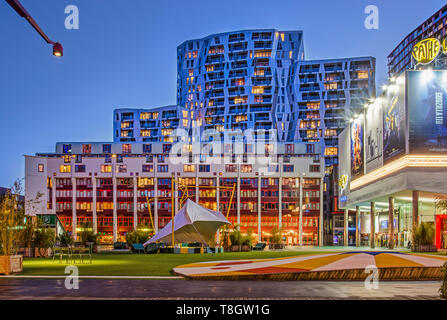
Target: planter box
15 264
425 248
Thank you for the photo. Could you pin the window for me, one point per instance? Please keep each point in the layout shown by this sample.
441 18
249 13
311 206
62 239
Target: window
122 168
314 168
331 151
246 168
288 168
230 168
166 148
106 148
162 168
86 148
148 168
160 158
108 158
149 158
127 148
80 168
40 168
119 158
189 168
67 159
65 169
106 168
147 148
78 158
204 168
66 148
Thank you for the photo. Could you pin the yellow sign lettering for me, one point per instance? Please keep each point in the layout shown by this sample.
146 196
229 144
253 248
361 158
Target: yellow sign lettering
427 50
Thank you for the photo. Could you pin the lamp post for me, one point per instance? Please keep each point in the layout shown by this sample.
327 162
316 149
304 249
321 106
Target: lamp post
58 51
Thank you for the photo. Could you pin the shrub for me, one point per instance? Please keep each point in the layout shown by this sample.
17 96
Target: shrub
276 237
65 239
44 238
236 236
141 235
87 234
424 234
443 289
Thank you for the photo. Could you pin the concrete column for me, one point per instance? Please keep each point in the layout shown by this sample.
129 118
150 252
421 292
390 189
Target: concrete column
415 208
197 183
73 208
115 218
357 226
391 221
135 204
259 209
53 196
320 222
345 228
300 221
280 202
238 191
280 193
373 224
156 204
218 206
94 214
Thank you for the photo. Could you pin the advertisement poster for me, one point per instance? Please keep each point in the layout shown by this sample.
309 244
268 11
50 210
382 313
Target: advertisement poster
373 137
394 122
357 160
427 111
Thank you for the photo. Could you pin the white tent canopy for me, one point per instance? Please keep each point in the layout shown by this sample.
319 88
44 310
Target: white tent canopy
193 223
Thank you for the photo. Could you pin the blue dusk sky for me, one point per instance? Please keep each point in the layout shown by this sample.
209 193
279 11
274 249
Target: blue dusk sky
124 55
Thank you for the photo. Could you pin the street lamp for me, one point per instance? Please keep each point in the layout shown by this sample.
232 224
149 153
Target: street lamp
58 51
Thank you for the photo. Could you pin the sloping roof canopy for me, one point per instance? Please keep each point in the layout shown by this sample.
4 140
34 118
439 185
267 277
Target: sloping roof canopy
193 223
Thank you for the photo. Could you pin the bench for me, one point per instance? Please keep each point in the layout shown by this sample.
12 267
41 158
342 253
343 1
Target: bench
61 252
137 248
259 246
81 253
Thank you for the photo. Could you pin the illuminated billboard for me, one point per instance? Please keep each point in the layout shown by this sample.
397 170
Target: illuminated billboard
357 147
373 137
394 121
427 108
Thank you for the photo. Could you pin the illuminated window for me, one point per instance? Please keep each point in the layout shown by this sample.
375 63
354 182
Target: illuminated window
125 125
67 159
148 168
257 90
106 168
313 105
259 72
191 72
185 122
331 151
210 68
40 168
65 169
240 82
246 168
241 118
127 148
145 133
362 74
290 54
262 53
189 168
142 182
331 86
282 37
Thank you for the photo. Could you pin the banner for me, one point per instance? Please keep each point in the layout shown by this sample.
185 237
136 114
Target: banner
427 108
394 122
357 148
373 137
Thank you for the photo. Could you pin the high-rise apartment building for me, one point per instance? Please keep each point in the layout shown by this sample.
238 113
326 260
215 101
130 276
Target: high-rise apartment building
435 27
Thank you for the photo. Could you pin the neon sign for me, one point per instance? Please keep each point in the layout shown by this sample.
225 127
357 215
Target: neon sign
425 51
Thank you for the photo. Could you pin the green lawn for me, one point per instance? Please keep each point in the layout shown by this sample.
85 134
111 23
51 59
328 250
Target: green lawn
127 264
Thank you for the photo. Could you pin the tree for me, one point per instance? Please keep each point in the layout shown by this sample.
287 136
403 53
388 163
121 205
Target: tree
87 234
276 237
140 235
424 234
44 238
12 215
65 239
443 289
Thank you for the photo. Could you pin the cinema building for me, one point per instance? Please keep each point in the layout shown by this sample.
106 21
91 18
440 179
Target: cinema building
109 185
393 162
